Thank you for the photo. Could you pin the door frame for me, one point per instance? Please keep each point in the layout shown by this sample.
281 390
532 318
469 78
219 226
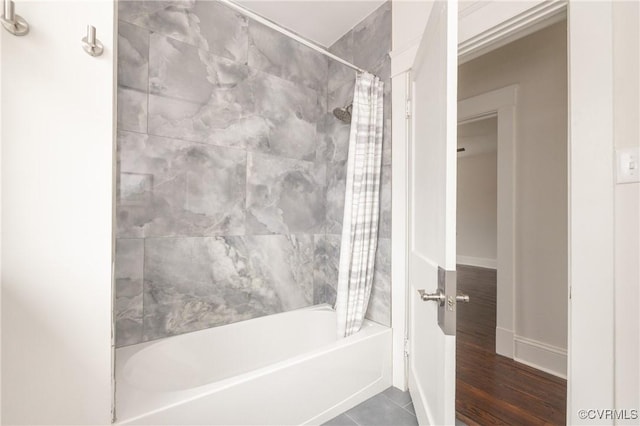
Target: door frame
590 289
501 103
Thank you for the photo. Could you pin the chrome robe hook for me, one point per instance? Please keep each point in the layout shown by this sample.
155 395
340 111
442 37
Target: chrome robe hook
91 44
11 22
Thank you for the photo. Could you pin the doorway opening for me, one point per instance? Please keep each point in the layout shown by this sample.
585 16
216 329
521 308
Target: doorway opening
512 233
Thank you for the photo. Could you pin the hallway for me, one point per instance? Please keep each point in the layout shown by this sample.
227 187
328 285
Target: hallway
492 389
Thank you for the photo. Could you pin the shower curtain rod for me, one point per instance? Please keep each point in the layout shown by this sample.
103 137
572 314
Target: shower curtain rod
290 34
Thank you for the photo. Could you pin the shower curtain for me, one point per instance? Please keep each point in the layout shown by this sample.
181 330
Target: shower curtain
362 202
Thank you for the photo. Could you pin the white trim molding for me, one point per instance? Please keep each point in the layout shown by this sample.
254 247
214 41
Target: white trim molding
542 356
477 261
399 225
486 26
591 370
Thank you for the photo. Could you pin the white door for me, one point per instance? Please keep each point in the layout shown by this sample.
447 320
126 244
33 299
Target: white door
432 217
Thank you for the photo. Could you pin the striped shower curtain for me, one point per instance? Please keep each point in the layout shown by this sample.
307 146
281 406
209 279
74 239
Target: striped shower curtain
362 205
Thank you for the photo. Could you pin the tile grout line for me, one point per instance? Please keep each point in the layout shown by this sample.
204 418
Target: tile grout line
247 149
351 418
405 409
402 407
392 401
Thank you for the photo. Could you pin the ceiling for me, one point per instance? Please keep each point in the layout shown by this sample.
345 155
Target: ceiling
323 22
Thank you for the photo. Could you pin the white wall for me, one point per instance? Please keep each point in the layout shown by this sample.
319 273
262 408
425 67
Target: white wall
409 19
477 201
626 53
57 177
537 63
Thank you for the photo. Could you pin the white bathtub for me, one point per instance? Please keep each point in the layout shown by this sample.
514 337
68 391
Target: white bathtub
282 369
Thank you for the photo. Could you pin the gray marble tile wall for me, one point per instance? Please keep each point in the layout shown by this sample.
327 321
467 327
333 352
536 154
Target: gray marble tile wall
230 169
367 45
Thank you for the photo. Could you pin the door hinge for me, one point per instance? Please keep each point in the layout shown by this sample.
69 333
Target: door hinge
406 348
408 109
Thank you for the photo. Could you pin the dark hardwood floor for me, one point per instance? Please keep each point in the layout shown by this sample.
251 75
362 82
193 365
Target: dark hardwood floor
492 389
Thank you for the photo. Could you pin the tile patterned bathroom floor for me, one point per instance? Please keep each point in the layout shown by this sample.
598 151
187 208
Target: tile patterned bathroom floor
389 408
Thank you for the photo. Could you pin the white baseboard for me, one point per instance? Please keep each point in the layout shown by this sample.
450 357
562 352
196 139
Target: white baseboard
477 261
548 358
504 342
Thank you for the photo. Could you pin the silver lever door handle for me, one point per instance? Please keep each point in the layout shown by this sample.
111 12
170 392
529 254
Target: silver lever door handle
460 297
438 296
